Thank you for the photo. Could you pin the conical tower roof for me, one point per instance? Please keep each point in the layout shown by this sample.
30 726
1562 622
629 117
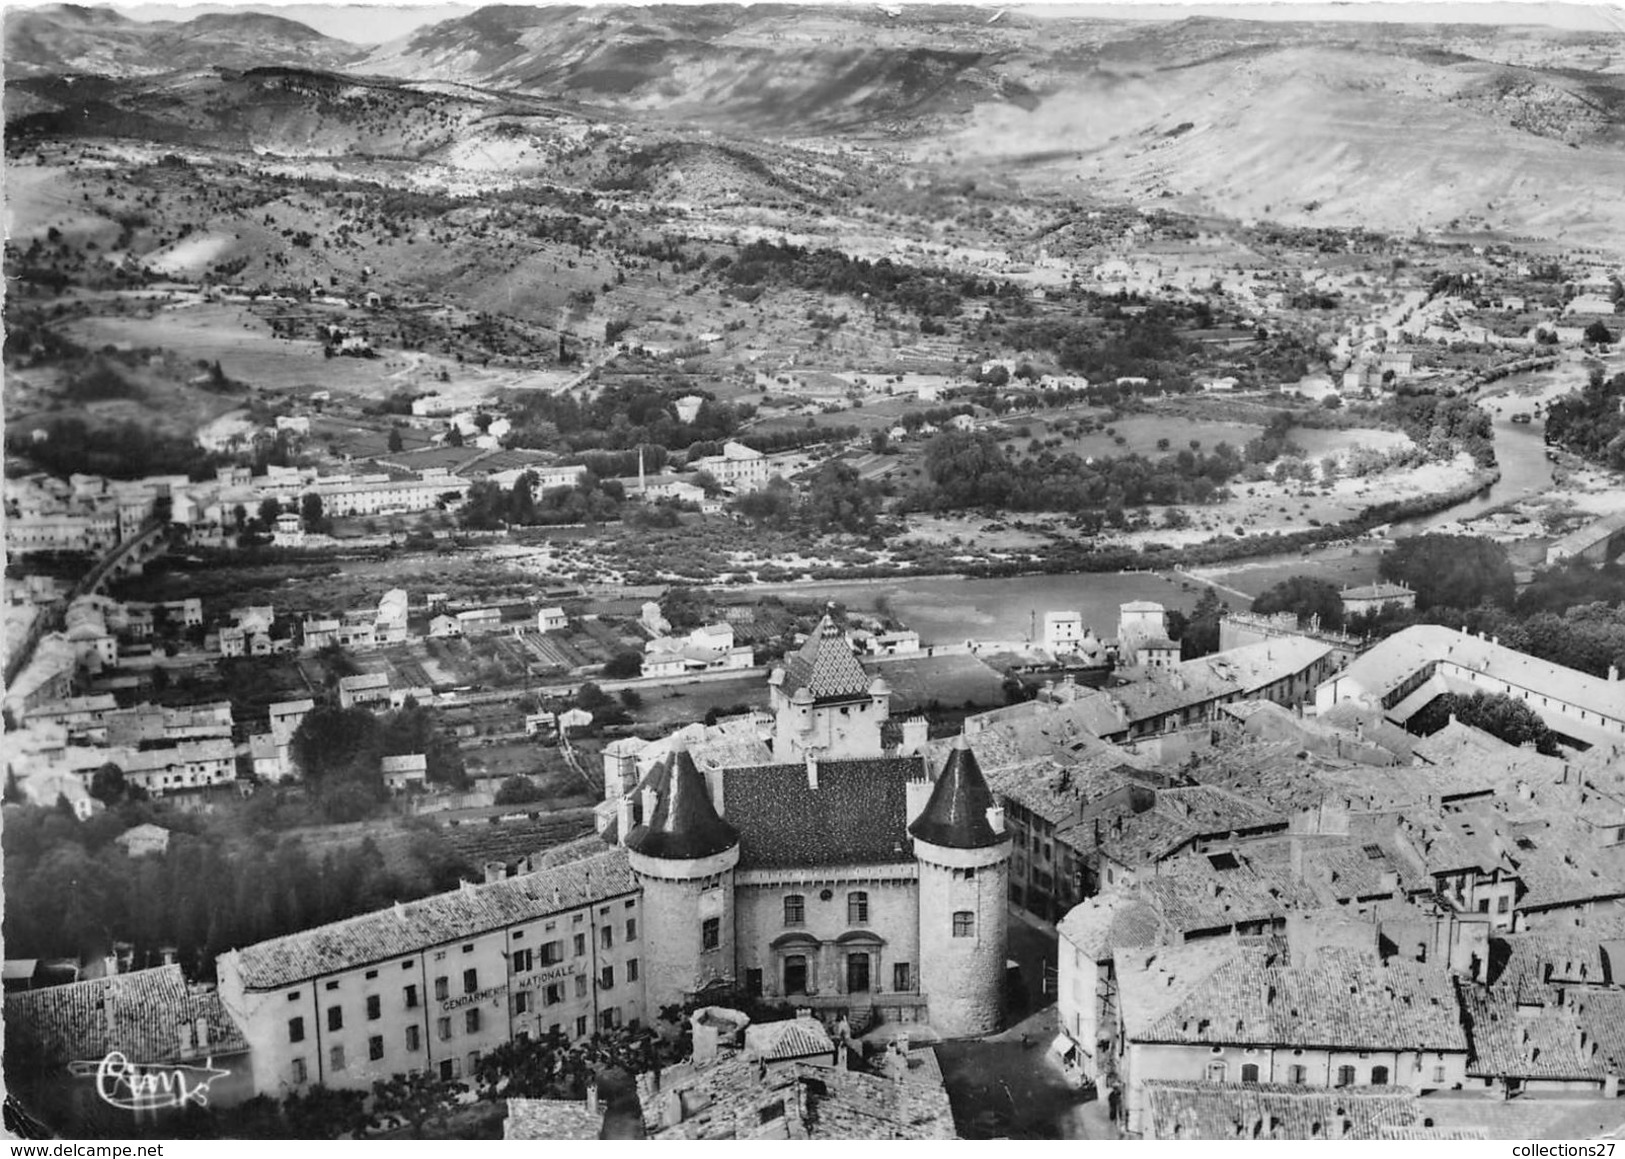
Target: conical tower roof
684 825
956 814
826 667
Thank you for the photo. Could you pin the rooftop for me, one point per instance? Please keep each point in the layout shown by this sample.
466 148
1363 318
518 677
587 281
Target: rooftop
684 824
956 816
551 1119
1247 993
1201 1110
825 666
856 816
149 1015
409 927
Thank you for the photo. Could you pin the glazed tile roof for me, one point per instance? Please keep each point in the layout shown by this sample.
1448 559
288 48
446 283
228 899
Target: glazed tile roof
856 816
1201 1110
409 927
955 816
551 1119
826 666
141 1014
1344 1000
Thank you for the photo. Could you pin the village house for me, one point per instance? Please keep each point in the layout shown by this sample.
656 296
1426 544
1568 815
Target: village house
407 771
551 619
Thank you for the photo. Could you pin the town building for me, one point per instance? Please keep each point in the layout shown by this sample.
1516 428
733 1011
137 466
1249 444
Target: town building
154 1018
433 984
407 771
1404 673
1596 543
1370 598
1317 1016
551 620
737 468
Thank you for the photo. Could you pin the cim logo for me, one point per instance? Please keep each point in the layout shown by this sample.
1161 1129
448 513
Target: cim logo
134 1086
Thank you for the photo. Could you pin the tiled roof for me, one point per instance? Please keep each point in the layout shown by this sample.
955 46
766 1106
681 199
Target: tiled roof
826 666
1191 895
1527 1042
1200 1110
790 1038
956 814
1051 788
1344 1000
684 824
140 1014
856 816
432 921
1101 924
733 1099
551 1119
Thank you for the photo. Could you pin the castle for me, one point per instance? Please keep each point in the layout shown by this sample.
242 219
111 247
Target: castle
827 869
835 876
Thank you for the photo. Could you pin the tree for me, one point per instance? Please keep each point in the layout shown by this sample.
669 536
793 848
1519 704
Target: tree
239 516
454 435
623 665
395 443
518 790
1511 720
416 1098
1305 597
109 786
310 510
632 699
269 509
1453 571
1597 333
1200 634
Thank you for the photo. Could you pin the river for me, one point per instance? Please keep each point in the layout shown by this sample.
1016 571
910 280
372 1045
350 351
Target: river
1520 452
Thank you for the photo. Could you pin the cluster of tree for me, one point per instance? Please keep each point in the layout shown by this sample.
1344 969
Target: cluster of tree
970 469
1311 600
1143 344
490 506
621 415
1511 720
837 499
1456 571
223 882
1590 422
340 751
1198 632
768 442
928 293
1442 424
125 450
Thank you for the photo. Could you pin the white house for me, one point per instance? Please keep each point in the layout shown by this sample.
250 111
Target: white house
551 620
406 771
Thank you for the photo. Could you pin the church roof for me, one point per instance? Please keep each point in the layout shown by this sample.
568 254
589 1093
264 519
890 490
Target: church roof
825 666
956 814
684 824
856 816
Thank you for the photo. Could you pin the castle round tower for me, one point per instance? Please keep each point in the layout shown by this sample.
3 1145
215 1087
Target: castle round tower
963 849
683 855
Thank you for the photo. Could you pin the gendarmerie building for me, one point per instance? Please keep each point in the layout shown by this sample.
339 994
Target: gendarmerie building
848 879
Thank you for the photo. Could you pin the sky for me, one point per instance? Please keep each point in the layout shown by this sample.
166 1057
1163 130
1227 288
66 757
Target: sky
374 23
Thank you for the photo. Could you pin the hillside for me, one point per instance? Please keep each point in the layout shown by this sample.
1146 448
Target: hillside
67 38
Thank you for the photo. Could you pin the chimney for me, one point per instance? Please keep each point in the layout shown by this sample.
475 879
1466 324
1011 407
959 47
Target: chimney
705 1040
917 794
649 800
1296 849
185 1041
1613 673
840 1055
465 885
201 1033
592 1098
672 1110
623 818
110 965
400 911
495 871
995 818
812 769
